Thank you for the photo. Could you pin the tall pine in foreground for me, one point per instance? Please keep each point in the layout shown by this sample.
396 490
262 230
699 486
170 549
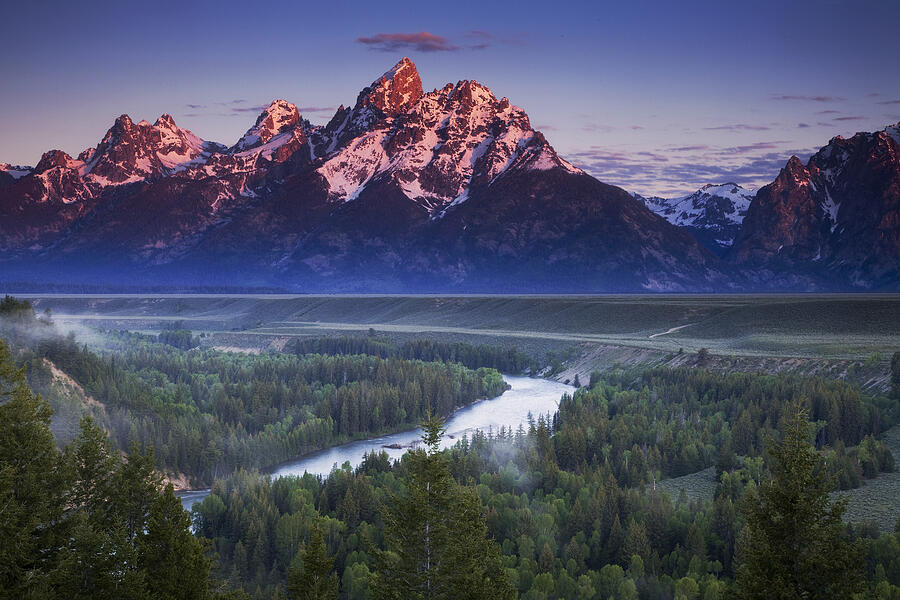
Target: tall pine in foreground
436 536
86 523
312 577
31 485
793 546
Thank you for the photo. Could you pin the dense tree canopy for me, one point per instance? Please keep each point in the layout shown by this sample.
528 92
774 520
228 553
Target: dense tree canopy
84 523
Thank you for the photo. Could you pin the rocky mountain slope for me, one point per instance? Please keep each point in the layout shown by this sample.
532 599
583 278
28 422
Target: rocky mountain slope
450 190
834 222
406 190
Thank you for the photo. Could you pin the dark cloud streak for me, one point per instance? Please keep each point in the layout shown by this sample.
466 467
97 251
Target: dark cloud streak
807 98
421 42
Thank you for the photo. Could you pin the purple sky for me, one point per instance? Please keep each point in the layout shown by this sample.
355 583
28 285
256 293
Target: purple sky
658 97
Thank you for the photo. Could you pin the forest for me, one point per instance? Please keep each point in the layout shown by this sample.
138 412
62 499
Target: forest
572 504
569 506
206 412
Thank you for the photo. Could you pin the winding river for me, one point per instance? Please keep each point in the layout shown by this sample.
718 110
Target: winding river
525 396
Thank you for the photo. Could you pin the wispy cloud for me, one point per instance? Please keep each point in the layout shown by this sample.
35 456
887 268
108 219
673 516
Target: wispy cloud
313 109
890 102
693 148
597 127
480 39
807 98
738 127
828 112
803 125
422 41
425 41
253 109
677 170
226 103
848 119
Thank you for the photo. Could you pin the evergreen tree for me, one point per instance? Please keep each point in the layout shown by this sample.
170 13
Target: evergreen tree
436 536
895 374
793 545
31 484
312 577
173 559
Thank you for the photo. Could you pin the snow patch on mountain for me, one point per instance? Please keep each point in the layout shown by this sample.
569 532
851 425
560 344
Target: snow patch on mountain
280 116
16 171
712 206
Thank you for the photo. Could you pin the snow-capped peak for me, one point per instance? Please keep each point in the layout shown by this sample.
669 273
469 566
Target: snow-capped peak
15 171
395 92
131 152
448 141
714 213
280 116
56 158
894 132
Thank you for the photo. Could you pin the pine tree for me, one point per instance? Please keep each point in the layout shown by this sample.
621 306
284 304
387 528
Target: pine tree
436 536
895 374
793 545
31 484
172 557
312 577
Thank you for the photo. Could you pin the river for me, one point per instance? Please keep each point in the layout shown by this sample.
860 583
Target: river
510 409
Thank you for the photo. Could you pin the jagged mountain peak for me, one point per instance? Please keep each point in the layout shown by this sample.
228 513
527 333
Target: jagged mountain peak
165 120
894 132
713 214
55 158
277 118
838 214
131 152
448 141
398 89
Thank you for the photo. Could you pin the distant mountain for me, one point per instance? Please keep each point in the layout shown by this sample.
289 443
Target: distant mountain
713 214
10 173
834 222
450 190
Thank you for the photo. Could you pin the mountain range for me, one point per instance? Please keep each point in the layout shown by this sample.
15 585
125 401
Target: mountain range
450 190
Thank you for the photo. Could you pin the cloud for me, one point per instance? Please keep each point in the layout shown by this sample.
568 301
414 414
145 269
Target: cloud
228 103
890 102
807 98
313 109
679 170
738 127
594 127
689 148
636 127
545 127
421 42
480 39
424 41
803 125
828 112
253 109
848 119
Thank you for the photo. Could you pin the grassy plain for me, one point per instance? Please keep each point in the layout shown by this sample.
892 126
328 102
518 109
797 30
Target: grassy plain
838 326
846 336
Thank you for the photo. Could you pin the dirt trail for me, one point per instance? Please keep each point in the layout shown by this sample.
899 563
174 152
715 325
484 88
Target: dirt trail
670 330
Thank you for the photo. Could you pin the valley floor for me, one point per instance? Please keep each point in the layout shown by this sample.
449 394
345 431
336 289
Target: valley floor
835 335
